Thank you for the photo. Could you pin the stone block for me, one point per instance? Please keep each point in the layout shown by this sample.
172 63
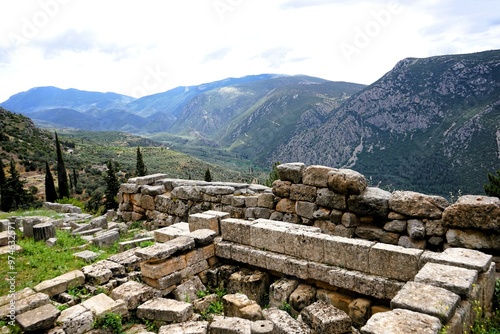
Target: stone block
127 259
285 205
251 201
188 327
473 239
223 249
196 268
148 179
262 327
304 295
38 319
266 200
316 176
338 299
416 228
284 323
417 205
252 283
240 306
102 271
347 253
487 281
25 304
268 235
291 171
152 190
329 199
302 192
305 245
76 319
454 279
61 283
230 325
360 311
203 221
371 202
401 321
102 304
200 254
106 239
280 291
473 212
187 291
168 233
346 181
157 270
325 318
168 310
369 232
407 242
305 209
465 258
276 262
165 282
296 267
163 251
281 188
394 261
397 226
238 201
427 299
86 255
133 294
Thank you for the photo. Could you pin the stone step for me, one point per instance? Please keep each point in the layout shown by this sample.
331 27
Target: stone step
163 251
38 319
171 232
61 283
168 310
102 304
124 245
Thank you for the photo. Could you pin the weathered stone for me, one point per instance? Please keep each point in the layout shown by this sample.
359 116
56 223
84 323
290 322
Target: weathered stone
168 310
428 299
296 267
347 253
76 319
455 279
316 176
268 235
305 209
407 242
281 188
473 239
251 201
414 204
360 311
157 270
293 218
376 233
396 216
349 219
284 323
86 255
285 205
230 325
397 226
106 239
470 211
187 291
305 245
371 202
152 190
256 213
203 221
165 282
325 318
102 271
201 305
218 190
188 327
61 283
28 223
266 200
186 193
102 304
394 261
337 299
171 232
101 222
133 293
401 321
162 251
238 305
465 258
301 297
262 327
291 171
329 199
322 214
342 231
252 283
416 229
40 318
44 231
346 181
127 259
23 303
280 291
487 281
302 192
148 179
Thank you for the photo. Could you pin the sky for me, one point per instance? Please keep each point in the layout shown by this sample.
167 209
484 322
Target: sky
139 48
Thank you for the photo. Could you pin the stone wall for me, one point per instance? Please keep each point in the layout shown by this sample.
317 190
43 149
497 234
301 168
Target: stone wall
337 201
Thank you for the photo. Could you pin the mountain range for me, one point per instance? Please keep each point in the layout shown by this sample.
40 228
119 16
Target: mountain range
429 124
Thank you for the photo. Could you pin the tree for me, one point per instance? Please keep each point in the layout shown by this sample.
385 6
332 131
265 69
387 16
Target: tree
50 188
273 175
208 176
75 178
62 175
3 188
112 187
493 188
16 195
140 168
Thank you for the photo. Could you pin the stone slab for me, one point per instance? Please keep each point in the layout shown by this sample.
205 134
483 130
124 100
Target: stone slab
456 279
400 321
188 327
236 230
161 251
127 258
61 283
465 258
102 271
156 270
202 237
171 232
326 319
347 252
203 221
86 255
102 304
76 319
394 261
230 325
428 299
165 282
284 323
40 318
133 294
168 310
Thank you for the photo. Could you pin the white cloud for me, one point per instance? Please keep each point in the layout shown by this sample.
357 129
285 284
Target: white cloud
144 47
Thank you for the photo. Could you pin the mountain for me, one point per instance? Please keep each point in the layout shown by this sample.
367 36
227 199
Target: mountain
431 125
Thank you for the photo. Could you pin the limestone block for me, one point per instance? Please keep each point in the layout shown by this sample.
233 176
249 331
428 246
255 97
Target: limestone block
25 302
346 181
276 262
203 221
284 323
472 211
465 258
254 257
218 190
487 281
152 190
266 200
165 282
40 318
61 283
296 267
187 193
200 254
161 251
280 291
251 201
230 325
102 271
347 253
171 232
401 321
302 192
473 239
291 171
147 202
262 327
305 209
240 306
223 249
168 310
325 318
252 283
106 238
360 311
127 259
129 188
281 188
407 242
201 305
76 319
322 213
375 233
268 235
338 299
416 229
156 270
349 219
418 205
195 269
329 199
102 304
86 255
342 231
305 245
428 299
455 279
304 295
238 201
316 176
187 291
397 226
371 202
188 327
285 205
394 261
133 294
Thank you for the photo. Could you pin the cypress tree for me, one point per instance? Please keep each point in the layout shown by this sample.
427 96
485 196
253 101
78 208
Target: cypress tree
16 195
75 178
3 189
493 188
208 176
141 169
62 176
112 187
273 175
50 188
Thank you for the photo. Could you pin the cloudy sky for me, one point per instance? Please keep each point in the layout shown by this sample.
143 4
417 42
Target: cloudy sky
143 47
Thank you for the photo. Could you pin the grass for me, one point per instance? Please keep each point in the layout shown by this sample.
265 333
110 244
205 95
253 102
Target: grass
31 212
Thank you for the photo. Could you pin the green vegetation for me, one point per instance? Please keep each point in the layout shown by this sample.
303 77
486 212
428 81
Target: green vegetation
140 168
110 321
273 175
112 187
493 188
208 176
62 176
50 188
